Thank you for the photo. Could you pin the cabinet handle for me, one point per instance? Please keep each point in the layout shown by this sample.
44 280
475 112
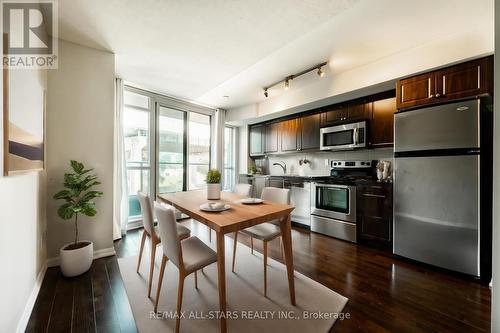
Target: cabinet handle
374 195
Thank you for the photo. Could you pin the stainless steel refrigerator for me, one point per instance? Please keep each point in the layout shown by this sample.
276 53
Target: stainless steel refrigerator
437 186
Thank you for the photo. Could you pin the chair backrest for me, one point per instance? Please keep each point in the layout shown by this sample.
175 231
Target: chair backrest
245 190
147 213
170 241
277 195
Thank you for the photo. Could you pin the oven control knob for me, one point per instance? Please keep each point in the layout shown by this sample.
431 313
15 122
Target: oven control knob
362 163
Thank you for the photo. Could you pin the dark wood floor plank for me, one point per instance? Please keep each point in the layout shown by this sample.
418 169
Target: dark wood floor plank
62 309
122 306
40 315
83 305
106 318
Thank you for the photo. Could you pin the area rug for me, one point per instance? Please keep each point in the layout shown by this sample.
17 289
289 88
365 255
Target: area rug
248 310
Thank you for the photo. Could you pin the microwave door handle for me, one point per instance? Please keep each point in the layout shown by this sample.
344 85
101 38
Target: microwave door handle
355 136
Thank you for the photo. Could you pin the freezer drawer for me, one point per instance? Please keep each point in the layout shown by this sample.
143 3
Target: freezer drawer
449 126
436 211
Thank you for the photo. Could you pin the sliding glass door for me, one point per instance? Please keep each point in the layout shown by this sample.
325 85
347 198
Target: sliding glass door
198 150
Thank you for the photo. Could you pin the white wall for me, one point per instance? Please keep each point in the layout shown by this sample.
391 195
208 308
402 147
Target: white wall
495 298
22 214
80 106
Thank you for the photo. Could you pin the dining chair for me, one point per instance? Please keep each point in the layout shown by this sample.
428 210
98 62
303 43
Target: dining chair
267 231
188 255
244 190
152 233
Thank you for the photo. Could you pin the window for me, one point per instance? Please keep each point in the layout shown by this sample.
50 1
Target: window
136 115
167 148
229 159
199 150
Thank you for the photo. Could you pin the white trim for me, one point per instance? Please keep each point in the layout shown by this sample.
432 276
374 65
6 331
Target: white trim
110 251
30 303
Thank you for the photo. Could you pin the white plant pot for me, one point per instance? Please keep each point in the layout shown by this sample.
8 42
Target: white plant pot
213 191
77 261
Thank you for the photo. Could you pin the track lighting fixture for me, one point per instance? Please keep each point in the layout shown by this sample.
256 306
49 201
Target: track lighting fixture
320 72
294 76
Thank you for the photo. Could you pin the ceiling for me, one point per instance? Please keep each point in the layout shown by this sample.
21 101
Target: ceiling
203 51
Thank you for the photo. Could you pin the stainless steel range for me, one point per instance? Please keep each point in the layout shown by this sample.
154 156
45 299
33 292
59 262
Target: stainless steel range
333 199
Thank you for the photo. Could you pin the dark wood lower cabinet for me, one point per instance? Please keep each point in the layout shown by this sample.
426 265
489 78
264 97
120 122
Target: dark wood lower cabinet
374 212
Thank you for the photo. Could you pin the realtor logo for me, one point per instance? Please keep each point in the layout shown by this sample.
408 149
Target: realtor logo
29 34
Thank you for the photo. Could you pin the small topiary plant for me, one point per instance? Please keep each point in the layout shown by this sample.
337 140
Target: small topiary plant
213 176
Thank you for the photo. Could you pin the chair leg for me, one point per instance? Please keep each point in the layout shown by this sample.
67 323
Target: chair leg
179 302
281 248
151 269
251 243
265 269
164 260
234 248
143 240
196 279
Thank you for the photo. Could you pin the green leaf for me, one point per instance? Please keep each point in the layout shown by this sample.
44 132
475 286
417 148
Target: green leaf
64 194
90 195
89 209
66 211
77 166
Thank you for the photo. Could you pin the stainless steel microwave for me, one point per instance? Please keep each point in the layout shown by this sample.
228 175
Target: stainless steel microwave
343 137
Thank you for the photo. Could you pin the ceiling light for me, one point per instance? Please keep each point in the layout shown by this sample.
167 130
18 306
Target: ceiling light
265 93
320 72
225 96
287 84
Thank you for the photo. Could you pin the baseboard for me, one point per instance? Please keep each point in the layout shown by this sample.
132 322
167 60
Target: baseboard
110 251
25 316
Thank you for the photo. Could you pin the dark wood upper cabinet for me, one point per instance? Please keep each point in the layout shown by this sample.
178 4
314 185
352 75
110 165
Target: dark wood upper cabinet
256 140
417 90
271 134
472 78
334 114
310 131
382 122
290 135
356 111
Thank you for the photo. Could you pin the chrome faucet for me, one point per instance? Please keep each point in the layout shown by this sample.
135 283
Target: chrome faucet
283 166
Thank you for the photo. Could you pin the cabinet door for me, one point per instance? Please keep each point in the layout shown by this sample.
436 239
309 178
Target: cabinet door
469 79
290 135
382 122
334 115
310 131
417 90
271 132
356 111
375 210
256 140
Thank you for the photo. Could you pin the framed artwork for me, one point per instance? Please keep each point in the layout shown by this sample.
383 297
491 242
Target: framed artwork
23 123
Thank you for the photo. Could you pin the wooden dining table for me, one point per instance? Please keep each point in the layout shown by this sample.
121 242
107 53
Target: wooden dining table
238 217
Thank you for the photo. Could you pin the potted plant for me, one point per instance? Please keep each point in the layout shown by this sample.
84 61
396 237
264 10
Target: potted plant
213 184
76 257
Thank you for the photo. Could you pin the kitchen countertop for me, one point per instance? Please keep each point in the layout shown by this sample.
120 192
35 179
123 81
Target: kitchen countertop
360 181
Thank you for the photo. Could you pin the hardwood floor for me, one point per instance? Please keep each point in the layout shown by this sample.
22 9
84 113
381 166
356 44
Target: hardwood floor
385 294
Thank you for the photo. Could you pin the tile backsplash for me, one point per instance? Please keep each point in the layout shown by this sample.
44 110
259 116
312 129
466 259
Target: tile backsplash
318 167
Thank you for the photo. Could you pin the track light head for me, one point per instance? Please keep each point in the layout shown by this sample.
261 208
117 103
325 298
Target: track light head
320 72
287 84
266 94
